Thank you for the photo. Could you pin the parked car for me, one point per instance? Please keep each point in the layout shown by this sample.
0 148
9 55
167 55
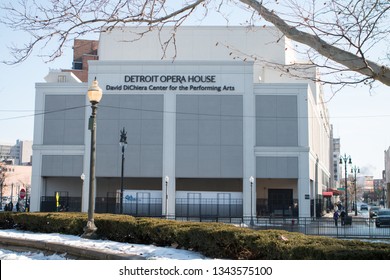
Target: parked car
383 218
374 211
364 207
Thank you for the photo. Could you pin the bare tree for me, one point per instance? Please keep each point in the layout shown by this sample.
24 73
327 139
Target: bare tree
341 36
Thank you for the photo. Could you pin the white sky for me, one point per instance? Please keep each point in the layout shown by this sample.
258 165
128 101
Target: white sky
360 118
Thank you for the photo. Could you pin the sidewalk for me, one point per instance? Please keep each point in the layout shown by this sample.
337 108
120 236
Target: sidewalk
60 248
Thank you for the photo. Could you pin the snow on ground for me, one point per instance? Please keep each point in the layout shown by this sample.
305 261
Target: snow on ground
150 252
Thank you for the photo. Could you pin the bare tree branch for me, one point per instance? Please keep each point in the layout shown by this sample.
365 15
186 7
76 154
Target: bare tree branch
340 35
351 61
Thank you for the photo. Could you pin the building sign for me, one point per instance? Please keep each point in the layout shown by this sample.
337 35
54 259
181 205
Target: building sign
179 83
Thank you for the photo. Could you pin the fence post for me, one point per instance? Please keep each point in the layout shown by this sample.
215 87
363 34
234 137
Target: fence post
370 235
318 226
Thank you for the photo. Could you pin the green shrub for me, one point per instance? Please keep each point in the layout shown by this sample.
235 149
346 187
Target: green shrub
214 240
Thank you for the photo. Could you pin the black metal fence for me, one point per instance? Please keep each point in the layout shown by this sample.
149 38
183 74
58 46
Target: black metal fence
360 227
152 207
208 208
264 208
66 203
212 210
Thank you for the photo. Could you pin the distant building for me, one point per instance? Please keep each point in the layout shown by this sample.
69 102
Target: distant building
83 51
336 168
380 190
368 183
14 178
6 153
386 175
17 154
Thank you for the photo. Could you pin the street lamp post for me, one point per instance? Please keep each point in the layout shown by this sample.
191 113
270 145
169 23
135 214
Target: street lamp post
251 180
355 170
383 195
2 179
94 95
123 144
166 196
346 159
1 195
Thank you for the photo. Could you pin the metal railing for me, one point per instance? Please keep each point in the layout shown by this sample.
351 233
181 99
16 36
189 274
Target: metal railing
360 227
66 203
209 210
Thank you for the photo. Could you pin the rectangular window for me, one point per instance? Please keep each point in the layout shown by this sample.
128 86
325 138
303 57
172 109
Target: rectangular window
61 78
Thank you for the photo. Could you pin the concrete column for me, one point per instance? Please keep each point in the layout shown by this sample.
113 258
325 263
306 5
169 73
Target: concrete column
36 182
36 176
249 159
304 157
304 185
169 155
87 155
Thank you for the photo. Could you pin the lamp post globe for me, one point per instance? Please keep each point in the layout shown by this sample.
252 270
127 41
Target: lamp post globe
94 95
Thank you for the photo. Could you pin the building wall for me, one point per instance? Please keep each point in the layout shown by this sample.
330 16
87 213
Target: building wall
26 152
142 117
5 152
83 51
211 43
209 141
210 132
387 174
18 154
64 125
48 149
16 177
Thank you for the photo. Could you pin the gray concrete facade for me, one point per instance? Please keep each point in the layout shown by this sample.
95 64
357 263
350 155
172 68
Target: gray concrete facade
204 124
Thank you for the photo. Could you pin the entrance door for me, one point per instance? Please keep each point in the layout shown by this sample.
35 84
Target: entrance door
280 202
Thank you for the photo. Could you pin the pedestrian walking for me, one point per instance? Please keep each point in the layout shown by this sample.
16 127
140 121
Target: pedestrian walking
342 216
335 217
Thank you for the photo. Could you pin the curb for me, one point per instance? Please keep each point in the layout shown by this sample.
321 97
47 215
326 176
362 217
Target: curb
79 252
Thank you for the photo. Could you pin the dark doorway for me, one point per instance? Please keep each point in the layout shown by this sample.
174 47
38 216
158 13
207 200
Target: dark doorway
280 202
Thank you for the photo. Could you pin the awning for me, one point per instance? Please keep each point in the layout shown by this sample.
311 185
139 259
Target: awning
336 192
327 194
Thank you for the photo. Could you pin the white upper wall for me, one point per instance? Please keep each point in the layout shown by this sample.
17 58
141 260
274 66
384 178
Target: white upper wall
204 43
192 43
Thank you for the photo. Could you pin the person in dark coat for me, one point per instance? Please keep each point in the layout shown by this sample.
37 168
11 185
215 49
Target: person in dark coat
335 217
342 216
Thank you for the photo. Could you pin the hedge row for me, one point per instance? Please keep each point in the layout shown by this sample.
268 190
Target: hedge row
214 240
